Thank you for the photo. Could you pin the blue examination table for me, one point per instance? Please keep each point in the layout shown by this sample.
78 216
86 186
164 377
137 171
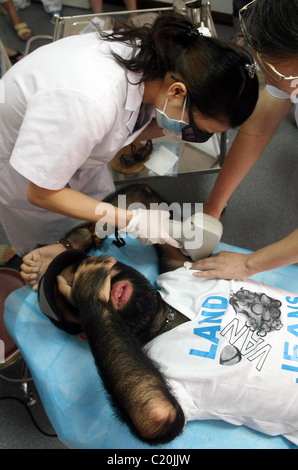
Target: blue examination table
71 390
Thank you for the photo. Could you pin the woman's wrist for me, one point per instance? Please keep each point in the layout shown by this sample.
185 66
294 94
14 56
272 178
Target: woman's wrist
214 210
111 216
123 217
253 264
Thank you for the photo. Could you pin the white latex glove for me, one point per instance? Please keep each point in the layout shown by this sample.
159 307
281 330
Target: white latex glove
150 227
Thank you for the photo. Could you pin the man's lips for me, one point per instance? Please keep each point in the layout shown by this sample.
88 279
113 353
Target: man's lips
120 293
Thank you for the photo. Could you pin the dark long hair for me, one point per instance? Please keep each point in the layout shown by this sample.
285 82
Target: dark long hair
212 70
273 27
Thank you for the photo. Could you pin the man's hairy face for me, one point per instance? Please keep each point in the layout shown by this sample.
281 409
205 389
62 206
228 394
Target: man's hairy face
120 288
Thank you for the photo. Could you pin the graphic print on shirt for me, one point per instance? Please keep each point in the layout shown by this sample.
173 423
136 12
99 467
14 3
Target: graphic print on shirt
262 316
256 314
262 312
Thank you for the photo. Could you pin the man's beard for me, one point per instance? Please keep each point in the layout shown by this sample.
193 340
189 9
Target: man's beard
144 303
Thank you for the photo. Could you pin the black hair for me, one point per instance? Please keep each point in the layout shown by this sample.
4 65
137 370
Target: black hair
212 70
273 27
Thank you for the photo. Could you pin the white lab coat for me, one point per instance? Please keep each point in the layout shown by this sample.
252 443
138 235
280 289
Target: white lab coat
69 107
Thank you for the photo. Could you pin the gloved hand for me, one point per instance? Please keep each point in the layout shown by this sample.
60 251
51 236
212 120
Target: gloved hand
150 227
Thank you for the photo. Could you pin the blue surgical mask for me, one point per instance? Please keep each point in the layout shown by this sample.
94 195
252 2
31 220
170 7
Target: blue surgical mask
167 123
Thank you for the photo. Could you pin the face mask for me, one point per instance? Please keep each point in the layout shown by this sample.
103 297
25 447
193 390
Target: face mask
167 123
190 132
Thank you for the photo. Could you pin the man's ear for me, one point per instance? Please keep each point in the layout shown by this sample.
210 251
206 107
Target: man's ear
64 288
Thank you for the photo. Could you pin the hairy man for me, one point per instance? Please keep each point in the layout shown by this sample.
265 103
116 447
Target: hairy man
193 349
119 311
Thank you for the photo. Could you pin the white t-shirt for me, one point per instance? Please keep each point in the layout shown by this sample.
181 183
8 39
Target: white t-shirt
69 107
237 357
285 96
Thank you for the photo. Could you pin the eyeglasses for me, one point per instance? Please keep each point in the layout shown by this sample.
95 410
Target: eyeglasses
271 70
245 33
191 133
136 156
266 66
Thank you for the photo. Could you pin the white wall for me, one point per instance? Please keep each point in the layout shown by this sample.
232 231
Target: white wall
222 6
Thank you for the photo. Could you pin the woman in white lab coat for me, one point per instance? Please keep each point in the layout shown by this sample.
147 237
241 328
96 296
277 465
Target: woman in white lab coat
70 106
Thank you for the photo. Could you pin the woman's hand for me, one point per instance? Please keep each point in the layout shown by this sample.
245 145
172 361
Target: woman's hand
150 227
223 265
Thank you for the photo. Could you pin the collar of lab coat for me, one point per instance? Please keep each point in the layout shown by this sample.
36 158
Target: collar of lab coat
134 100
135 93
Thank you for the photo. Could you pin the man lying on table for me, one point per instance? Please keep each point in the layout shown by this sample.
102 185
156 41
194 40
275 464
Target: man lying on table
194 349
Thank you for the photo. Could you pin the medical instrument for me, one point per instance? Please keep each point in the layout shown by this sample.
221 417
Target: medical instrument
199 234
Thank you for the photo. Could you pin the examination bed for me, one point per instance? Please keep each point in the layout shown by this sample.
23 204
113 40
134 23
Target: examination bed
70 388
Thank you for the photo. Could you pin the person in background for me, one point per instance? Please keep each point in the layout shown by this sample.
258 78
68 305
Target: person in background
52 7
72 105
21 28
97 7
270 27
14 56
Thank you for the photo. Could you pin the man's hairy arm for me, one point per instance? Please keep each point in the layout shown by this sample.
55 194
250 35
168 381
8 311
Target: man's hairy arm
137 388
170 258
